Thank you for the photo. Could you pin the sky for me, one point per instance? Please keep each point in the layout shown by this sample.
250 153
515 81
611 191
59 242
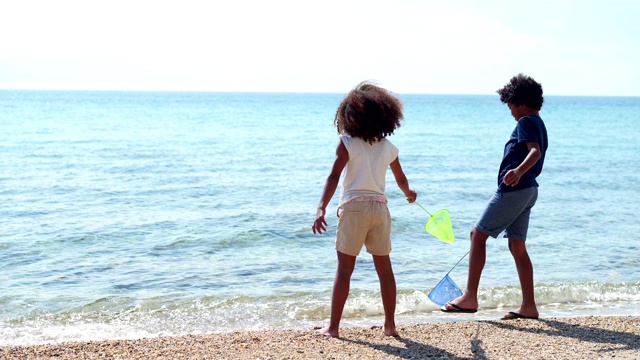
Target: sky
573 47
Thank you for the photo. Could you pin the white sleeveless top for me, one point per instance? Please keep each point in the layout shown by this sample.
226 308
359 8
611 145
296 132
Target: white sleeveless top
365 172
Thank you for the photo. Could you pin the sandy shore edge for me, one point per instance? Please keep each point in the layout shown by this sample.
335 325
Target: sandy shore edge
591 337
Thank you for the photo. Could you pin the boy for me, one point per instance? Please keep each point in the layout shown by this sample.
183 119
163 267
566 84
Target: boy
517 192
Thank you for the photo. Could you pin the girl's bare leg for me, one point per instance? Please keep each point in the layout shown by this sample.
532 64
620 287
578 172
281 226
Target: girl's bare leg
388 292
346 264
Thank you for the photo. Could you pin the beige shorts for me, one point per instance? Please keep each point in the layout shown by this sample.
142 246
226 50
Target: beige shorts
364 223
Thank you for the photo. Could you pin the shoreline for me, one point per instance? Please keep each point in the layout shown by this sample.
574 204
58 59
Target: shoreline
588 337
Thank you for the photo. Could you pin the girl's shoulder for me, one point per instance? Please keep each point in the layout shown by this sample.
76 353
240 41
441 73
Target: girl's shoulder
347 140
386 143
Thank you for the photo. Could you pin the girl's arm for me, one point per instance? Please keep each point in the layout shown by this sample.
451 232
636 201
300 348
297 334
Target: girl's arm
342 157
402 181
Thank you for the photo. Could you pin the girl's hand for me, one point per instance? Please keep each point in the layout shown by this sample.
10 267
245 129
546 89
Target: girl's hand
412 196
320 224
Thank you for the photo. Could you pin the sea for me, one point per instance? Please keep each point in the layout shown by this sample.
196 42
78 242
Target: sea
126 215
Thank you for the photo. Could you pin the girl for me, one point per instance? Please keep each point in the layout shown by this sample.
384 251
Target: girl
366 116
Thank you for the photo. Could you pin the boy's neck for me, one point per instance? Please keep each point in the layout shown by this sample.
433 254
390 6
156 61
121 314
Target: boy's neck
521 111
530 111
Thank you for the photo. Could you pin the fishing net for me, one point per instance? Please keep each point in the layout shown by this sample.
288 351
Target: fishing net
445 291
439 225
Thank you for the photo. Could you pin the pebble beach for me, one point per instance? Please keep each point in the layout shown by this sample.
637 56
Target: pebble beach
590 337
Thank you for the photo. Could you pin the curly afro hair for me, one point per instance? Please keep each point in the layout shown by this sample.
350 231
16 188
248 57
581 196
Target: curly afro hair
522 90
369 112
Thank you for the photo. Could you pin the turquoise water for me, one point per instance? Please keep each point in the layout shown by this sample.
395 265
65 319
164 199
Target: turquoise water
127 214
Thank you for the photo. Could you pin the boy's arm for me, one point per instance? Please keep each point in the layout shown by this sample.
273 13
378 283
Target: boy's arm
402 181
342 157
512 177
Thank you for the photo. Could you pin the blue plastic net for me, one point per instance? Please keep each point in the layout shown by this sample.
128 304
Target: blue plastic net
445 291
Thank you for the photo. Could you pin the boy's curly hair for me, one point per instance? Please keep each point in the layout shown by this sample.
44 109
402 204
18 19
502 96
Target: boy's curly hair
369 112
522 90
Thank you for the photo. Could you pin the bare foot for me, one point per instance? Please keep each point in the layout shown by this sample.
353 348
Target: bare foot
327 332
390 330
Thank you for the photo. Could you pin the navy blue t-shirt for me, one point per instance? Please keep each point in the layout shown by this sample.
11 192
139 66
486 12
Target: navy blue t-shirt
530 128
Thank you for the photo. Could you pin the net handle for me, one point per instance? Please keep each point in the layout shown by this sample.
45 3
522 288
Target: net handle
423 208
454 266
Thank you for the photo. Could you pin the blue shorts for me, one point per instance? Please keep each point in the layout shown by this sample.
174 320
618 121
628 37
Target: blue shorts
509 211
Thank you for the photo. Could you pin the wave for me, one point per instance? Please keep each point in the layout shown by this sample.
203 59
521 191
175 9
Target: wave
113 317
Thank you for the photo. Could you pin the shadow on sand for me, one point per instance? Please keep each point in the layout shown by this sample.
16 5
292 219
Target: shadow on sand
619 341
411 350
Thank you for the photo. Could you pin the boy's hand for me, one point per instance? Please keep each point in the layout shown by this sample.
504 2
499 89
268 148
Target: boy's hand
320 224
412 196
512 178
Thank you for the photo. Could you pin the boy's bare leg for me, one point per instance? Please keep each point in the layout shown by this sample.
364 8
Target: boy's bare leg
346 264
525 273
477 259
388 292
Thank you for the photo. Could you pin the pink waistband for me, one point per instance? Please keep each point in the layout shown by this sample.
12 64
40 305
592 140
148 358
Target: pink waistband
381 199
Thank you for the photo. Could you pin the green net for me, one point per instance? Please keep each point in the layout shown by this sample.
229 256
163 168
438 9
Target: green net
439 225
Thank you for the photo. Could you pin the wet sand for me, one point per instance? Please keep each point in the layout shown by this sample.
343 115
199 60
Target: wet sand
547 338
